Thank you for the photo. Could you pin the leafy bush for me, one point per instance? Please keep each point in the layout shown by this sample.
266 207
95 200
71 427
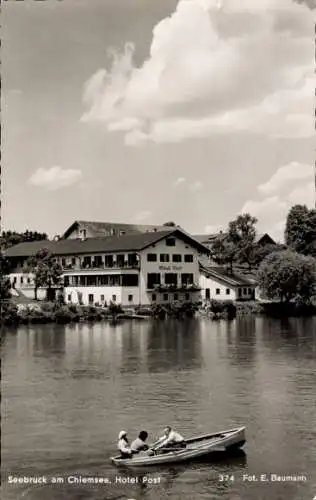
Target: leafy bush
9 313
287 275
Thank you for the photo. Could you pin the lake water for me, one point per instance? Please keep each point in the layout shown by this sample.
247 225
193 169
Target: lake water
68 390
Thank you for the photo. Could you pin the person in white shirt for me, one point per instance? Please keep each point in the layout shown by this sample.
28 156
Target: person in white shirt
170 439
123 445
139 443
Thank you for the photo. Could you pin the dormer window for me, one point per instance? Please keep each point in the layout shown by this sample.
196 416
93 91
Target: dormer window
170 242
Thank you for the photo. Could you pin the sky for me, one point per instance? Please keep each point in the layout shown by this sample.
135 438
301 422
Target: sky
144 112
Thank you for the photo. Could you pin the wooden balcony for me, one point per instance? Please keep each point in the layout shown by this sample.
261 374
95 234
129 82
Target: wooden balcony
95 267
175 288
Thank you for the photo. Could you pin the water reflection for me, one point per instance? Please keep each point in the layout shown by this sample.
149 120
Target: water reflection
174 344
69 390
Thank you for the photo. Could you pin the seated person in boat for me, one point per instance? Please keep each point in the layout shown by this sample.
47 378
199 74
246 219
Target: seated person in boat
170 439
123 445
139 443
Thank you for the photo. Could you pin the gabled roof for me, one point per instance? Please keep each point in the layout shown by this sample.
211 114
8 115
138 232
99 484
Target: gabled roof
28 248
102 229
125 243
223 275
208 238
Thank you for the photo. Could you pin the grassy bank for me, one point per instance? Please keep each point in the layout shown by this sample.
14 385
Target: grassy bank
276 309
53 312
49 312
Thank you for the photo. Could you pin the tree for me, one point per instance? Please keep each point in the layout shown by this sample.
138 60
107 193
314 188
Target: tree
47 272
11 238
262 251
170 224
287 275
242 233
223 251
5 284
300 230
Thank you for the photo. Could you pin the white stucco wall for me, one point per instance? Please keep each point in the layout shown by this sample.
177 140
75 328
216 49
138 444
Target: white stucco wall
140 294
180 248
121 294
27 286
214 285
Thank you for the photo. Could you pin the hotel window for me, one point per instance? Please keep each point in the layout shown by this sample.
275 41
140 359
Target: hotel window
130 298
108 260
188 258
170 242
176 257
152 280
187 296
104 280
130 280
249 291
87 262
28 280
187 279
73 261
82 280
227 291
175 296
151 257
164 257
244 291
63 262
239 292
102 298
114 298
120 260
218 291
90 298
165 296
98 262
132 259
69 297
21 280
114 280
153 297
171 279
207 294
66 281
91 280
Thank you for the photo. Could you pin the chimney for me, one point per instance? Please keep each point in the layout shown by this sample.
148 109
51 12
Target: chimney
83 234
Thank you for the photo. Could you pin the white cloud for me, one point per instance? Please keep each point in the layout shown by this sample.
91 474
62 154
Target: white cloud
290 185
284 175
55 177
179 181
196 186
213 67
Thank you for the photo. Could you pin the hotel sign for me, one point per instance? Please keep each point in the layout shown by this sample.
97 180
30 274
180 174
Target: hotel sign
170 268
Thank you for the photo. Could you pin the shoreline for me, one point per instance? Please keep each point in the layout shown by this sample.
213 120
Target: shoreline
39 312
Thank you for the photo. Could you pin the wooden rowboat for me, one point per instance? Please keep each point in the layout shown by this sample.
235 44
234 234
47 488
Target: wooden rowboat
196 448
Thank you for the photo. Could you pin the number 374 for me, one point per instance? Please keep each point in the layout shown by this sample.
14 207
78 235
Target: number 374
230 477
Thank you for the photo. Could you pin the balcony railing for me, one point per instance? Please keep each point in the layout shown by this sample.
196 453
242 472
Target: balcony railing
95 266
183 287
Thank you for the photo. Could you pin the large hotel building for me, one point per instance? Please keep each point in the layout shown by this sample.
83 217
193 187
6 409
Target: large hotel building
129 265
